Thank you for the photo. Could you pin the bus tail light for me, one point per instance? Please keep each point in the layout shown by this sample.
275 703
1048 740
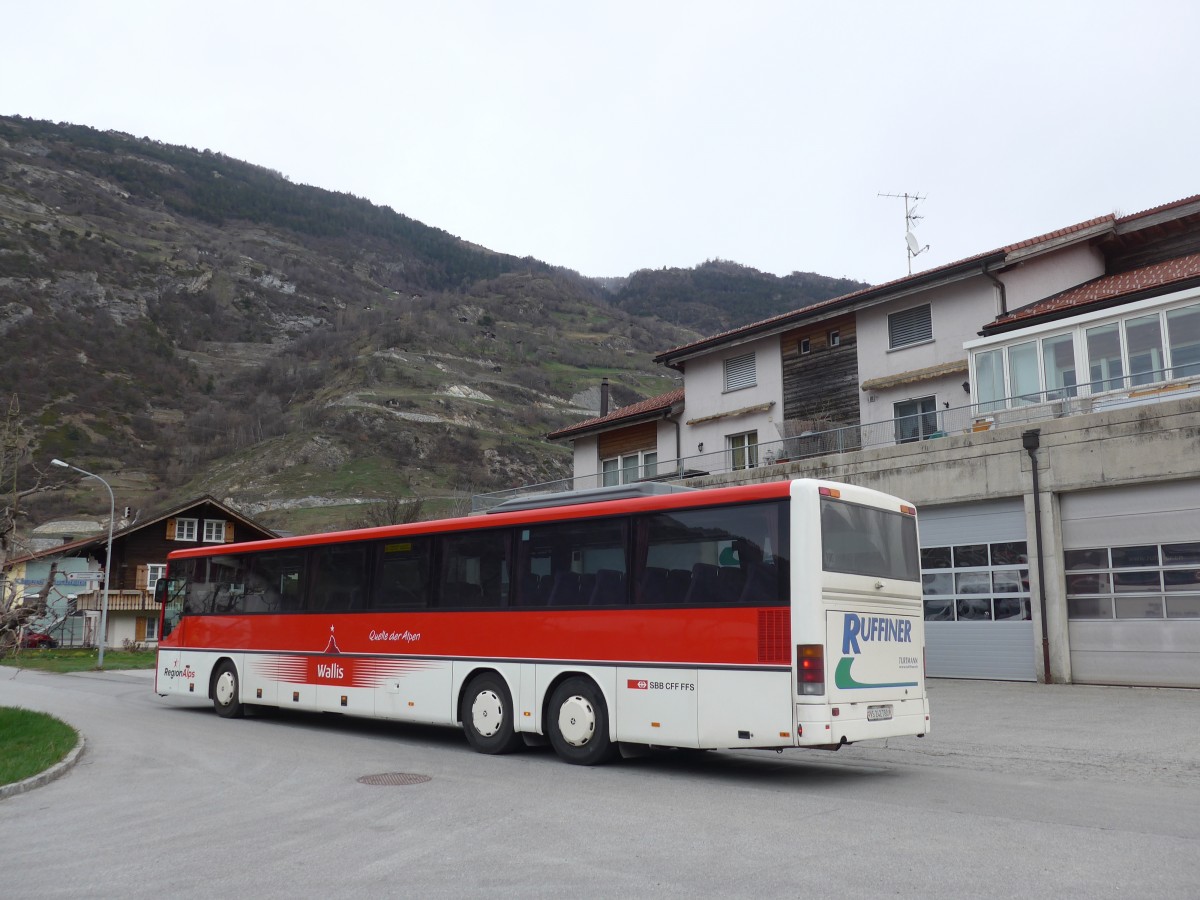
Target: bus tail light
810 669
829 492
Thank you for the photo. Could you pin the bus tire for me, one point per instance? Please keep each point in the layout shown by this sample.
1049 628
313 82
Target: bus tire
226 690
487 715
578 723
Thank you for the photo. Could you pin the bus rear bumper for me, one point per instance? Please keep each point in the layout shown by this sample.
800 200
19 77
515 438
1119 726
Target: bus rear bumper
851 724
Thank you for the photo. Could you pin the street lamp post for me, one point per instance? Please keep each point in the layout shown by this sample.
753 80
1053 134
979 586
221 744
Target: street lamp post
112 513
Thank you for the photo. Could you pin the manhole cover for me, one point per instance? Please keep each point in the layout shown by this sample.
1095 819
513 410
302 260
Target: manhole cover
394 778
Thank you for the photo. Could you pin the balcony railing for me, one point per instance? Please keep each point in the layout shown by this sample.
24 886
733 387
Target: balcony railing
118 601
924 426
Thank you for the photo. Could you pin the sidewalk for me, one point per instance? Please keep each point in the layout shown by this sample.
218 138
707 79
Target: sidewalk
1123 733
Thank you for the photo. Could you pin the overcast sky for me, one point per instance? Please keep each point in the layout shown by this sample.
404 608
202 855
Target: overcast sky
612 136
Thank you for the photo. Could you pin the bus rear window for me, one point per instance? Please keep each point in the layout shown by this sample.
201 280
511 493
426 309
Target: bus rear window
863 540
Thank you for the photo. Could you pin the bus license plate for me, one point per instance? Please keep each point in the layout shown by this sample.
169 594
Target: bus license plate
879 713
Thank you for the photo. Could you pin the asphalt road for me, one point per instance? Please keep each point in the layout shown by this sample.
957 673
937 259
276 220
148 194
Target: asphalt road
1020 791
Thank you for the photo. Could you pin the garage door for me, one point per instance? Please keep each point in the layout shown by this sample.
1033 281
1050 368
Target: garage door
975 574
1132 561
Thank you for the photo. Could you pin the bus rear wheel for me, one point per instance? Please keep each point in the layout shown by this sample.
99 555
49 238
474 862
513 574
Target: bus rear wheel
487 716
578 723
226 690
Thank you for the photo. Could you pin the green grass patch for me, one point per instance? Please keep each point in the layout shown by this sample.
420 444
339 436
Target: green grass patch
31 742
79 660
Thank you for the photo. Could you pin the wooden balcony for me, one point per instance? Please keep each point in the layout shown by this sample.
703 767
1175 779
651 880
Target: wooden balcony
118 601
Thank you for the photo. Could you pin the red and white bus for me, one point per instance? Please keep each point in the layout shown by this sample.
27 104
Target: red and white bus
774 615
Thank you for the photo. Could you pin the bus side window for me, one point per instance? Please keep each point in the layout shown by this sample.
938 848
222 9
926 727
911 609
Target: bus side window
338 578
574 564
475 569
719 556
274 581
402 570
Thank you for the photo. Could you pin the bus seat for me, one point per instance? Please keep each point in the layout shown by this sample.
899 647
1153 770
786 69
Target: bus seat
762 584
461 593
652 586
730 582
527 589
679 582
609 589
587 584
703 588
565 591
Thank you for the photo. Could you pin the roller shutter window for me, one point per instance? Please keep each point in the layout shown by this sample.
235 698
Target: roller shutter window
740 372
910 326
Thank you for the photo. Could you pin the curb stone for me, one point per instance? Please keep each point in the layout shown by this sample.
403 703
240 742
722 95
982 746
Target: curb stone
56 771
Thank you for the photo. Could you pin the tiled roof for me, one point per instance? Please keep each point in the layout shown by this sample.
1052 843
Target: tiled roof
928 275
635 410
1105 288
782 318
1157 209
1058 233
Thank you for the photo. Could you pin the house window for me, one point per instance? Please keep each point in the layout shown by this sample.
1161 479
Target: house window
743 450
805 346
916 420
153 573
835 339
151 629
1183 327
1143 342
185 529
989 380
911 326
1058 364
1024 386
1104 358
610 470
740 372
214 531
629 468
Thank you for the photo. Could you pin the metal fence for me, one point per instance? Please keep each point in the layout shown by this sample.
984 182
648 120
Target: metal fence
924 426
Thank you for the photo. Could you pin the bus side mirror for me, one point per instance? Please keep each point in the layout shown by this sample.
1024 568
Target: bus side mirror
160 591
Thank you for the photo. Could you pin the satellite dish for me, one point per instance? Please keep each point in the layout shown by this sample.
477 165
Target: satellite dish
914 247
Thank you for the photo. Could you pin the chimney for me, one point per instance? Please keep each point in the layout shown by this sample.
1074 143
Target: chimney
603 396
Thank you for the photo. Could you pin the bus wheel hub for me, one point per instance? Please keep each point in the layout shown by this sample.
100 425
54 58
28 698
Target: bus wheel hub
487 713
576 721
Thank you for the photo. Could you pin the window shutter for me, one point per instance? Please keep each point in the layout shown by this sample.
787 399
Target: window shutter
910 326
143 577
739 372
170 529
229 532
140 634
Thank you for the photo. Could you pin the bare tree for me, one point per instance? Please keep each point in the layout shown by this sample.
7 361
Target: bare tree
15 616
12 449
391 511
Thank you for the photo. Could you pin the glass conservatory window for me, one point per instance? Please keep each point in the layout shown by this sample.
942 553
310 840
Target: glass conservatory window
1058 356
1143 341
1104 358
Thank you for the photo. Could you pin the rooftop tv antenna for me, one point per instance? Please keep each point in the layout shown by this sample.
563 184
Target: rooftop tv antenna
910 222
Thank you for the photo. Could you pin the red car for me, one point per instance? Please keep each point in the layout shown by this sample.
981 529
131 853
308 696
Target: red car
36 640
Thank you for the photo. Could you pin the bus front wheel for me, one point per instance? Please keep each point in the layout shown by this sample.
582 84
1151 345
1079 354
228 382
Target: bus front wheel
225 691
487 715
578 723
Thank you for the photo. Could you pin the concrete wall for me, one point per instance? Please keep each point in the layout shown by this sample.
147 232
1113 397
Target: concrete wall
1148 444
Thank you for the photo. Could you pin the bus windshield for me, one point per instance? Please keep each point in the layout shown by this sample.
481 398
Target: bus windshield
864 540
